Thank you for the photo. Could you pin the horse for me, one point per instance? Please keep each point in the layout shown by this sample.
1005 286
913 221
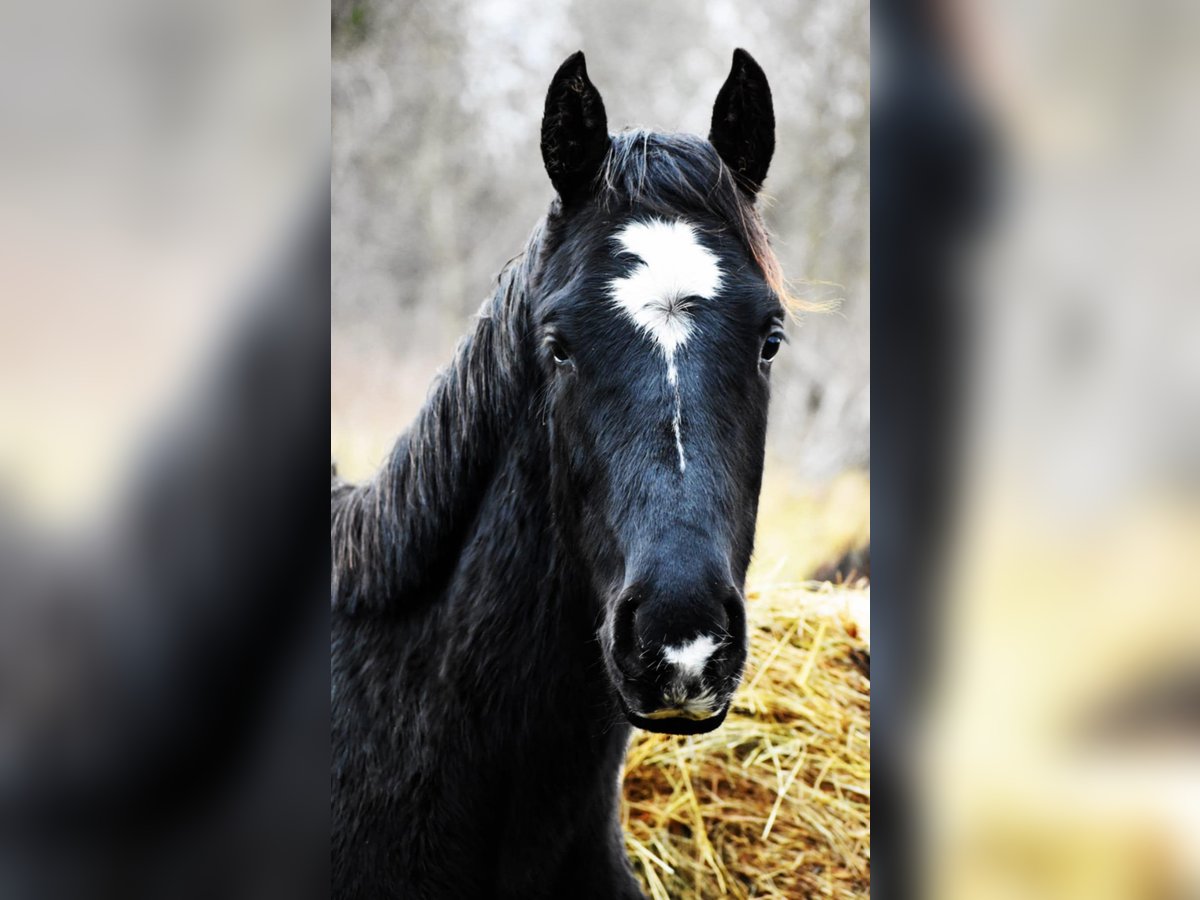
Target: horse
555 550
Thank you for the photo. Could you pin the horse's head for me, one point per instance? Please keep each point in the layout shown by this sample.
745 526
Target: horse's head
657 317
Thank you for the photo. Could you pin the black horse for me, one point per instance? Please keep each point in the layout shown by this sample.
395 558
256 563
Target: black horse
557 546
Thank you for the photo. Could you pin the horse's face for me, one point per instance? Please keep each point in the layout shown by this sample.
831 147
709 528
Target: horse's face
655 335
657 359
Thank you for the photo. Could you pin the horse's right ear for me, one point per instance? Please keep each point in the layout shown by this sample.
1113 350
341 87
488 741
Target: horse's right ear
574 131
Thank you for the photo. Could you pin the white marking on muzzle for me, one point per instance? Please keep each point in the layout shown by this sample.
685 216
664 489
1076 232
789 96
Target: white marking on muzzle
691 658
675 268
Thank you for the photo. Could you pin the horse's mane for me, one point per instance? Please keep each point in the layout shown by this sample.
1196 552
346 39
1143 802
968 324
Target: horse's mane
390 533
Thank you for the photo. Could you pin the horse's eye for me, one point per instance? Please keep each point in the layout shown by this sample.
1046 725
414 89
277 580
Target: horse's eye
558 351
771 346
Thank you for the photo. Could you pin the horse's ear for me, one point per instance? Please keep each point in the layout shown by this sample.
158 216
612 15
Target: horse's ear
743 122
574 131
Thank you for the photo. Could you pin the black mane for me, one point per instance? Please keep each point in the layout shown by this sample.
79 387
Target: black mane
387 535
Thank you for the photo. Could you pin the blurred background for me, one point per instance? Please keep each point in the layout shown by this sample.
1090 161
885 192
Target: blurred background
163 347
153 158
438 180
1036 712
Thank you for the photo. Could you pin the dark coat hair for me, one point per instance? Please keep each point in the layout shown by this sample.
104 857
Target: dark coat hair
478 741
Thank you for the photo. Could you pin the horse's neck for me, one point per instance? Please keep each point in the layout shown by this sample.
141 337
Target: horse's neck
520 551
399 535
513 590
525 586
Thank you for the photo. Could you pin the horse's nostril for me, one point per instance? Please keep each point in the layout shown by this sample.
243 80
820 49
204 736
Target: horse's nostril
721 619
734 611
625 635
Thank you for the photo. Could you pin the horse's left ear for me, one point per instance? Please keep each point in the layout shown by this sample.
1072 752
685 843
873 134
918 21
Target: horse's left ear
743 122
574 131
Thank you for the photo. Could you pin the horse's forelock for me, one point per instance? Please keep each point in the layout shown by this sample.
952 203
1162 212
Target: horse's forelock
666 174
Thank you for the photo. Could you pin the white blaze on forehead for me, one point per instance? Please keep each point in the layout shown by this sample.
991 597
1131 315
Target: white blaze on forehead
674 267
691 658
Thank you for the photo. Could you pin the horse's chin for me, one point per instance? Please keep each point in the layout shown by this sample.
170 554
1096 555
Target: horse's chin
666 724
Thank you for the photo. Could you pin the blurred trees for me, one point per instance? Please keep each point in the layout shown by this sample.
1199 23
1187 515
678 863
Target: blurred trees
437 180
